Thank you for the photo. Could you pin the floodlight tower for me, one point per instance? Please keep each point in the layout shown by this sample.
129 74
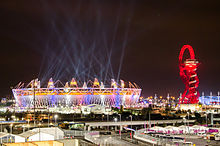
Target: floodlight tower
189 76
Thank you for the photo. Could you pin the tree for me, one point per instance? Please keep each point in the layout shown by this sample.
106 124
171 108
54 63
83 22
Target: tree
182 123
91 115
217 124
190 112
167 109
125 115
146 111
178 111
176 124
164 124
121 109
198 117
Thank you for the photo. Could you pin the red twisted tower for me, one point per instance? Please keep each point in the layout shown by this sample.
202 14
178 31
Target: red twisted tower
189 76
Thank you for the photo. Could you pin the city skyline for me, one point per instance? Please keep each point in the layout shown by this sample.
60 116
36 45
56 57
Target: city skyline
145 46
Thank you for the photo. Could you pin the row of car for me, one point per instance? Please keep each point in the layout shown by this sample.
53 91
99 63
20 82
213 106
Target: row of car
175 140
212 136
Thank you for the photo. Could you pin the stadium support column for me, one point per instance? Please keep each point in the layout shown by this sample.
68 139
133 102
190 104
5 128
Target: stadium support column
117 99
102 100
48 112
123 99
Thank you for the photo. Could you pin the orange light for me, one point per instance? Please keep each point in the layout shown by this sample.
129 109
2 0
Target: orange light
122 84
73 83
96 82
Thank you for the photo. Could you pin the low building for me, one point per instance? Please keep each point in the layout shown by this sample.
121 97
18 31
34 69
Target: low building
43 134
8 138
96 109
36 143
36 136
192 107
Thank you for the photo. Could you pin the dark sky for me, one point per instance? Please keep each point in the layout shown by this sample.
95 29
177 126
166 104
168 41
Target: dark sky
136 40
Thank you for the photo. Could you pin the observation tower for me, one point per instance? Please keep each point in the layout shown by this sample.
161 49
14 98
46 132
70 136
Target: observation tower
189 77
75 93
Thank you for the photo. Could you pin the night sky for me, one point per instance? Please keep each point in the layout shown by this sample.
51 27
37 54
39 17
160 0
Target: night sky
137 41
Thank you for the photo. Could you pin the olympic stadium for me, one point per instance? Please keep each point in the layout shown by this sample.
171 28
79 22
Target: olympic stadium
72 94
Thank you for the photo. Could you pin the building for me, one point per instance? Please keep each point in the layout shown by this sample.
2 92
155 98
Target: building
9 138
36 143
36 136
63 142
210 99
73 94
43 134
96 109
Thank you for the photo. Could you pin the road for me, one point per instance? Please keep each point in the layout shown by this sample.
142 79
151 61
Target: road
95 124
113 140
126 137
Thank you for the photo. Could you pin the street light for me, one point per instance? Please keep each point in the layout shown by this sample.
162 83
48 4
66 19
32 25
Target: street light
131 126
39 130
188 121
108 120
184 121
206 119
188 118
185 124
120 126
115 119
11 128
56 116
103 117
28 127
131 121
23 126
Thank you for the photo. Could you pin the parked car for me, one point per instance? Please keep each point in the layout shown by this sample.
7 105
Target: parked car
105 133
68 137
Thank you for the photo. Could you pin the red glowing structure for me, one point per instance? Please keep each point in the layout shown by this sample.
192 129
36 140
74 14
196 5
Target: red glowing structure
189 77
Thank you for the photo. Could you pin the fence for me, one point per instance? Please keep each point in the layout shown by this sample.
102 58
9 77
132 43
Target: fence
93 137
159 140
74 133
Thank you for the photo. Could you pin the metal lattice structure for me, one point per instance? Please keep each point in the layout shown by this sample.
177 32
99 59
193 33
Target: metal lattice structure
70 96
189 76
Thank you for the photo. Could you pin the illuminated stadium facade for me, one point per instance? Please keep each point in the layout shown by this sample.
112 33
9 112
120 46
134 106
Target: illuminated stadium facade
72 95
210 99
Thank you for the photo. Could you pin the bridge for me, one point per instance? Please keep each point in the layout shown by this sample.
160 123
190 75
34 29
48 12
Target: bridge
12 122
88 125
